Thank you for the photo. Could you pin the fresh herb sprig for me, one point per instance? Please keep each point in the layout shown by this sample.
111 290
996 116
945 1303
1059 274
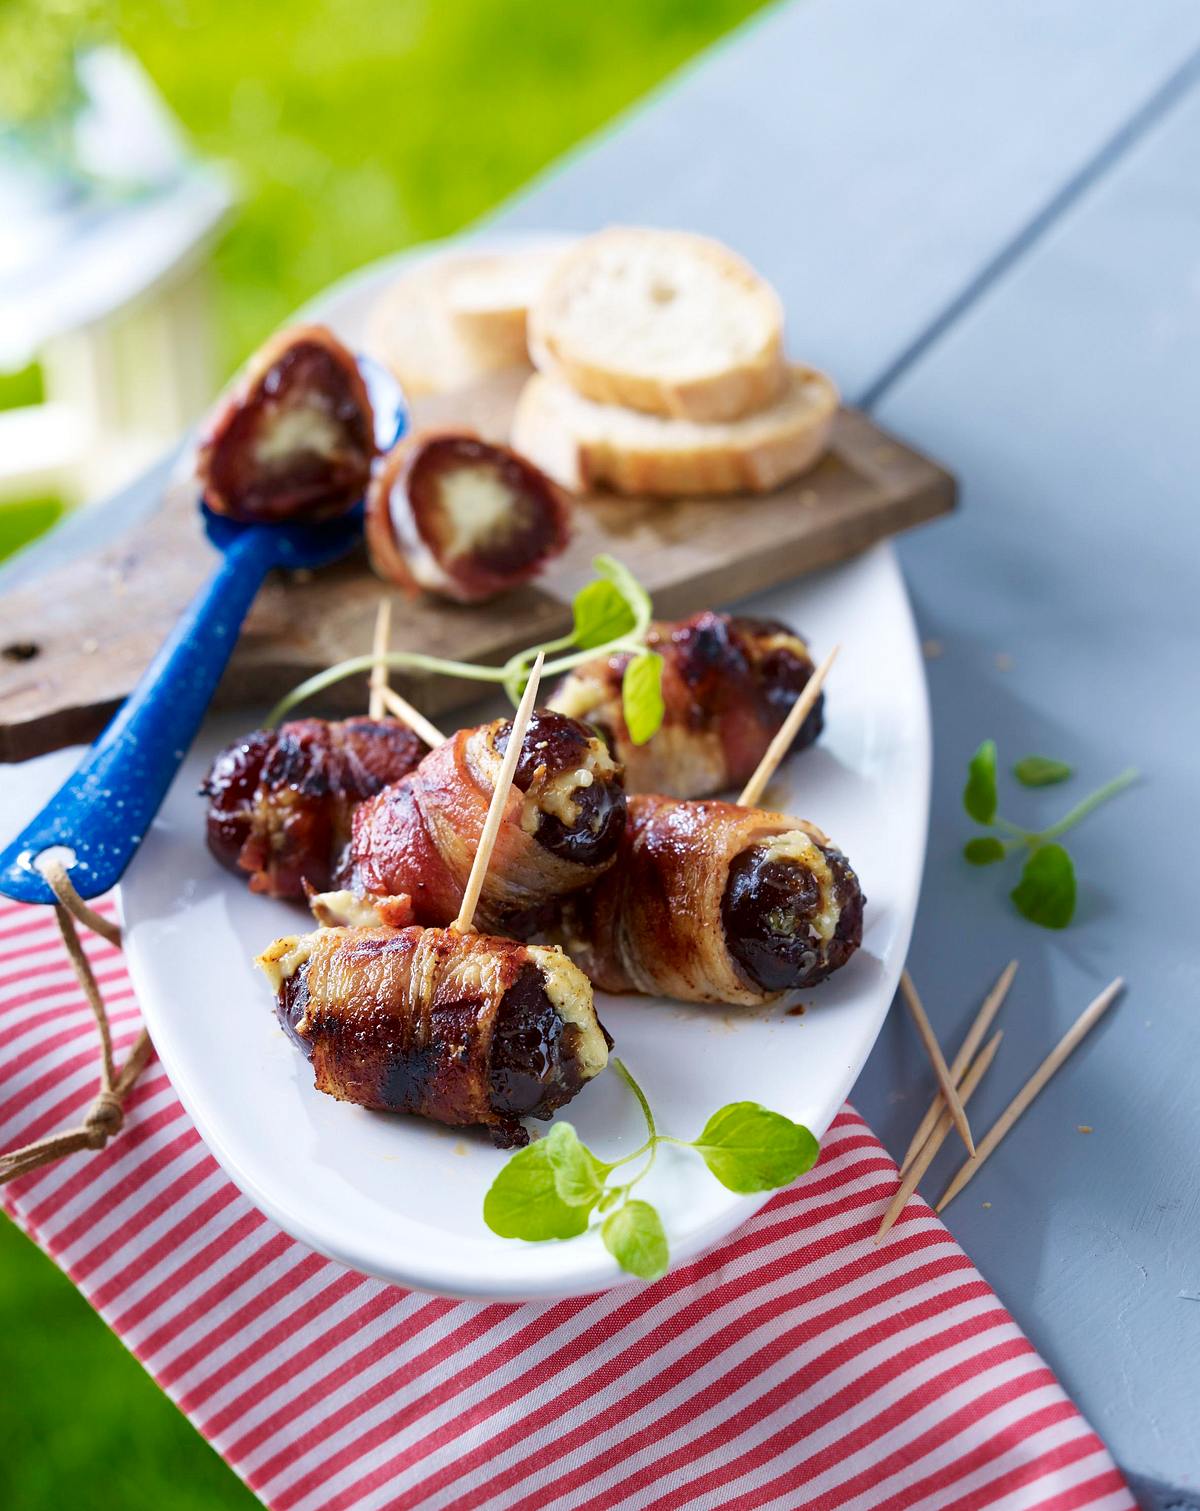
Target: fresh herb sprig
611 614
551 1188
1046 892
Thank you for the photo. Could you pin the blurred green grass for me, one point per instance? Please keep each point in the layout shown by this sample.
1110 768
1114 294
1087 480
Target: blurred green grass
359 128
356 128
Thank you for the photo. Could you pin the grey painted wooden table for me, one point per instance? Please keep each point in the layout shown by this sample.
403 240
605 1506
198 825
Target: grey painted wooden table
985 221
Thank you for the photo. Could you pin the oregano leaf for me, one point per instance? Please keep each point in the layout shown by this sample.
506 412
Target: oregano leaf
578 1175
523 1200
979 795
984 851
1041 771
749 1148
641 696
635 1237
1046 892
602 614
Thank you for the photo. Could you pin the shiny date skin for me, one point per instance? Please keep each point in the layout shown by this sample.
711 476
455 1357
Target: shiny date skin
768 912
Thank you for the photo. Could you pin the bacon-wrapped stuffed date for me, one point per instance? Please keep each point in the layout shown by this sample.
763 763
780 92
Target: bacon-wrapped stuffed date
458 516
461 1028
728 683
561 827
280 801
709 902
295 437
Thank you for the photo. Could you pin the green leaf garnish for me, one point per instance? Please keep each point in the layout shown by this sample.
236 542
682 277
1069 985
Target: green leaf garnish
630 589
523 1200
641 696
751 1149
984 851
1046 892
611 613
601 614
979 795
578 1175
1040 771
550 1189
634 1236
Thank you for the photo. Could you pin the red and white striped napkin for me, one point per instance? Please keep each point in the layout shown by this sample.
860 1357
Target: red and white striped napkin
799 1365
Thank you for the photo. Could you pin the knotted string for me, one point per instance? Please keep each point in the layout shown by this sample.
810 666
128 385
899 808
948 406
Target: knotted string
106 1115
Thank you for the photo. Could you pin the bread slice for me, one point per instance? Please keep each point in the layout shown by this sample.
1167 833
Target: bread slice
488 299
662 321
452 321
582 444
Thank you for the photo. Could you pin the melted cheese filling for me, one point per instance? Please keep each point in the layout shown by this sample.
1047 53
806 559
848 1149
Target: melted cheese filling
306 427
476 506
348 908
781 641
796 846
570 995
280 961
553 795
579 696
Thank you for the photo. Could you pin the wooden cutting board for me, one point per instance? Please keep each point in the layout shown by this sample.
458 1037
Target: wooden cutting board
73 643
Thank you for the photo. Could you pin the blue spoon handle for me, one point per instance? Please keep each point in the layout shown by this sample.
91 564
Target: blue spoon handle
104 810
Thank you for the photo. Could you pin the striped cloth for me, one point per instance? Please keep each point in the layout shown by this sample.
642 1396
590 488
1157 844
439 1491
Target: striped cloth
799 1365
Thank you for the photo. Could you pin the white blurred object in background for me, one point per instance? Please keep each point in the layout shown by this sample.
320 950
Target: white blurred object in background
105 229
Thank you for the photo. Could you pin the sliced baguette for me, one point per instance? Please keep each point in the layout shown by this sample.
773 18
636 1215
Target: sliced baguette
666 322
488 299
453 321
583 445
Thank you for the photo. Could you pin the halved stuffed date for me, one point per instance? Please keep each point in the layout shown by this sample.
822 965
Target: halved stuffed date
458 516
728 683
280 801
710 902
295 437
561 827
461 1028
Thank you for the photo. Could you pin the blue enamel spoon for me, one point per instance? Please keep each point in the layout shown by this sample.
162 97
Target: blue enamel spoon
99 817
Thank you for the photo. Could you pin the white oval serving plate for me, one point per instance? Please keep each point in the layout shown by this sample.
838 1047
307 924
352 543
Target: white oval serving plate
401 1198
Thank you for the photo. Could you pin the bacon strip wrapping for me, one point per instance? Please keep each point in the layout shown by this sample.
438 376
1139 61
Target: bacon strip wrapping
710 902
280 801
461 1028
728 684
295 436
561 827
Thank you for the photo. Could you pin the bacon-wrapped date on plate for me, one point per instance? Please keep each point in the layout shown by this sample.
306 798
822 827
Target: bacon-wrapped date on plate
710 902
461 517
280 801
295 436
560 830
728 683
461 1028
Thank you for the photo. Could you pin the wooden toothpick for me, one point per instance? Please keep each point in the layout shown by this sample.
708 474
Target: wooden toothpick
385 698
937 1059
495 813
1061 1052
938 1137
415 720
379 649
786 733
983 1021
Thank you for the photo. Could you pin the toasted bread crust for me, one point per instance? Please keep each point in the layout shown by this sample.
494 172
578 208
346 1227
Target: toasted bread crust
584 445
